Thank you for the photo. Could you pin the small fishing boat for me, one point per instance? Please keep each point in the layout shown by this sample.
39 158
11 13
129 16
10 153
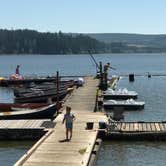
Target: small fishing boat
11 82
13 106
129 104
41 93
41 96
119 94
43 86
36 113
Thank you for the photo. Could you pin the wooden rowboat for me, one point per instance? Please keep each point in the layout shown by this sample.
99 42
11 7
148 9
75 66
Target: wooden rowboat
12 106
37 113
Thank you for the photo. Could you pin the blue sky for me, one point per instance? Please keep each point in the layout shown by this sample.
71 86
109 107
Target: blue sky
85 16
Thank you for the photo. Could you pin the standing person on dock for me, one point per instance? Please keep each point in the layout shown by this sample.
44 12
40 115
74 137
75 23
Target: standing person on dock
68 119
106 67
17 70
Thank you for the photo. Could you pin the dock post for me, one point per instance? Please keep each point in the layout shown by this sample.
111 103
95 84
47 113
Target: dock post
105 81
149 75
96 101
57 87
131 77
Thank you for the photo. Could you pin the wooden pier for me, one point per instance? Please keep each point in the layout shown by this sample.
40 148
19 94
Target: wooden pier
137 131
51 149
24 129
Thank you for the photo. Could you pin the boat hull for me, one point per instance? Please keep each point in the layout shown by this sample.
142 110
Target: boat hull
119 97
123 106
46 112
10 106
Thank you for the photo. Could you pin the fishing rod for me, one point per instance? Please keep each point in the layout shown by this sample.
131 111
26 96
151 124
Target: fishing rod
97 65
112 68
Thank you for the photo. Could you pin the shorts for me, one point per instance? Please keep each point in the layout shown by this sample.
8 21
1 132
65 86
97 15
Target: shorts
69 125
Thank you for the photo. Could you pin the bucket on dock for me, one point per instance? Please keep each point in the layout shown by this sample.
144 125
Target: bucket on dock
89 125
102 125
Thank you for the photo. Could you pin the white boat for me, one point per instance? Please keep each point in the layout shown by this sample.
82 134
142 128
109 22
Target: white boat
119 94
124 104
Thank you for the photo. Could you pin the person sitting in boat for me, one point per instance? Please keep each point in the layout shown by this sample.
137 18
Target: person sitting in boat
17 75
17 70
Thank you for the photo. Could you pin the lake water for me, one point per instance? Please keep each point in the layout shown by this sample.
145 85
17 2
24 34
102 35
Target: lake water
151 90
11 151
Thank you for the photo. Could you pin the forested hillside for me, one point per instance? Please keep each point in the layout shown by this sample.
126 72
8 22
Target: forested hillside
124 42
33 42
137 39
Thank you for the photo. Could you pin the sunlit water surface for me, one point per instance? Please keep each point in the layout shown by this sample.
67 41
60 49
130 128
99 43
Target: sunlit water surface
151 90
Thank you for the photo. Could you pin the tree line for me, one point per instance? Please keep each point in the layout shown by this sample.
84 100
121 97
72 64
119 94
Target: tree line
34 42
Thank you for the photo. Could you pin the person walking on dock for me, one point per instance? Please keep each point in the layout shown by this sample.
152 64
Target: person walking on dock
68 119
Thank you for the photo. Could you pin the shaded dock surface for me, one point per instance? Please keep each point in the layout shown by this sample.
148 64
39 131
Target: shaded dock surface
24 129
53 149
20 124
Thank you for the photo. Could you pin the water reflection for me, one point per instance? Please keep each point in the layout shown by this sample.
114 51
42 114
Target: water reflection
6 95
11 151
132 153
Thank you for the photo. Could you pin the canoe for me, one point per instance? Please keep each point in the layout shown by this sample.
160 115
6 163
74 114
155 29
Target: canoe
13 106
37 113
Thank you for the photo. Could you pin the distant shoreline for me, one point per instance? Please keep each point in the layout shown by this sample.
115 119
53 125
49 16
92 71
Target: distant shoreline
82 54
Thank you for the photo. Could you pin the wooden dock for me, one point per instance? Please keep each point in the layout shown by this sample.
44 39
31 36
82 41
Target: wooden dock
24 129
22 124
52 150
137 131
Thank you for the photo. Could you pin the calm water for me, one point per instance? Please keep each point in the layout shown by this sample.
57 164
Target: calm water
11 151
151 90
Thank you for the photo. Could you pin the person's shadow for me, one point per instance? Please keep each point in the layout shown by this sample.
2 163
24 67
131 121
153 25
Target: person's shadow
64 140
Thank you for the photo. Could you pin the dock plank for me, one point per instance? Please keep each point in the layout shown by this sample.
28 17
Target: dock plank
153 127
123 126
157 127
20 124
140 127
127 127
136 126
148 127
162 127
144 127
131 127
